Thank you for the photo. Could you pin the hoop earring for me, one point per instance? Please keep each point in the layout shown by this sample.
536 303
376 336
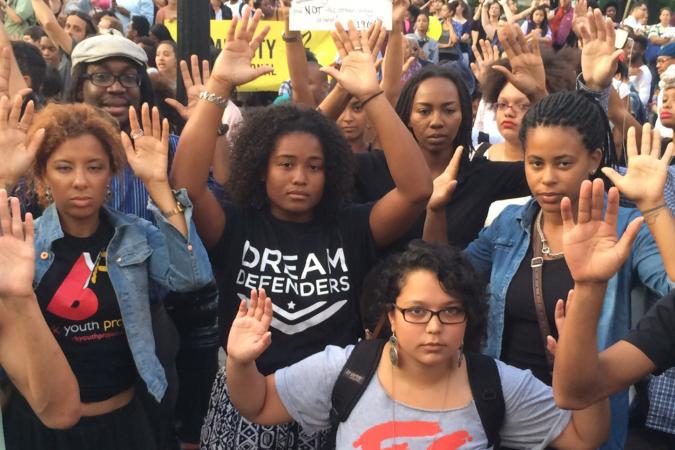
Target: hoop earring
461 356
48 195
393 349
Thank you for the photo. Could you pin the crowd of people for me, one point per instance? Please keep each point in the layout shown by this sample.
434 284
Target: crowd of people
458 234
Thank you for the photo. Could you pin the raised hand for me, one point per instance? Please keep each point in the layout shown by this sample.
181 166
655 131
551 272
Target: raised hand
599 58
233 65
645 179
580 19
17 151
194 84
250 336
376 35
561 308
17 253
527 68
484 59
357 74
149 153
592 250
399 8
445 183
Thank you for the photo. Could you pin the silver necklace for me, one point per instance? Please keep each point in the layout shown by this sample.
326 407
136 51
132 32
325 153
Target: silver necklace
545 249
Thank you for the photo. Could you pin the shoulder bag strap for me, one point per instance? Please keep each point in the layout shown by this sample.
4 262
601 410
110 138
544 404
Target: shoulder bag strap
486 388
536 265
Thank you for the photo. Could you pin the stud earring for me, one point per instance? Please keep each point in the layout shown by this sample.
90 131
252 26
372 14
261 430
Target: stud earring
393 349
48 195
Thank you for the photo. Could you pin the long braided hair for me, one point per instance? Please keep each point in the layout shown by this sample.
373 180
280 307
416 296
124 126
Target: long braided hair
578 110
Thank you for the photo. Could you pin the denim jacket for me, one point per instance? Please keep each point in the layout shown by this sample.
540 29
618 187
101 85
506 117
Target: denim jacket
500 249
138 254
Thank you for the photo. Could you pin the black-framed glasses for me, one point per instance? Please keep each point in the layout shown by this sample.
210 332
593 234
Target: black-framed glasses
107 79
516 107
448 316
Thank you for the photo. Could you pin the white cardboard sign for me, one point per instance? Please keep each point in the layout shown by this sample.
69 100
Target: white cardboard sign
322 14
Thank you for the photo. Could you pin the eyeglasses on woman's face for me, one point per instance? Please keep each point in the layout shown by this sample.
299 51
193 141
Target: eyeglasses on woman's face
418 315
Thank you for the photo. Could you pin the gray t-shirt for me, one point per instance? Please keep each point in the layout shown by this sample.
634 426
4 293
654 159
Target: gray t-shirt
532 419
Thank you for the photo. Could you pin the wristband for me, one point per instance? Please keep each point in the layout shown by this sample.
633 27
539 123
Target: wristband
363 103
654 209
287 38
213 98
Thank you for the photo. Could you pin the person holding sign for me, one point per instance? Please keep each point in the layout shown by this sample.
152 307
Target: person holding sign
291 228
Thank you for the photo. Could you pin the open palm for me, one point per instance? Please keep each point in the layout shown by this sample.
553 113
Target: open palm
593 252
17 254
599 58
148 155
17 151
233 65
645 179
527 68
249 335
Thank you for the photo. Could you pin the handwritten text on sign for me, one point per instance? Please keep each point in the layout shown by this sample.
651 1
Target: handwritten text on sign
322 14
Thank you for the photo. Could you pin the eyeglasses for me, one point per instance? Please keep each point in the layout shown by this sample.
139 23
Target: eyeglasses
448 316
107 79
517 107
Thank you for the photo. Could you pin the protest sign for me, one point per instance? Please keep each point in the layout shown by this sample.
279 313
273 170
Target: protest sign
322 14
272 51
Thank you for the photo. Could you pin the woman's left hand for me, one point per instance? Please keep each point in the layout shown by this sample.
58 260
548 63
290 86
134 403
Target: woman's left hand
148 154
645 179
527 68
357 74
592 251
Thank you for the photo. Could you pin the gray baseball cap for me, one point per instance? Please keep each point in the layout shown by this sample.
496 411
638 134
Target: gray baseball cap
104 46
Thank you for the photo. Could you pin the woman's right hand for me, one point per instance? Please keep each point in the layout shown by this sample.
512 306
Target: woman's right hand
250 336
484 59
599 58
357 74
445 183
233 66
17 253
17 152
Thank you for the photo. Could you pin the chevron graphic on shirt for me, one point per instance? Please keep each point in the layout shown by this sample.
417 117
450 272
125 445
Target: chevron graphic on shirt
299 327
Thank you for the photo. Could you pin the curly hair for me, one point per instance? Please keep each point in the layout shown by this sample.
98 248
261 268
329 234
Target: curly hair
560 69
455 274
68 121
257 138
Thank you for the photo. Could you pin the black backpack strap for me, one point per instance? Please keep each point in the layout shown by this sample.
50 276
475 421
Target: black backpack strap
486 387
354 378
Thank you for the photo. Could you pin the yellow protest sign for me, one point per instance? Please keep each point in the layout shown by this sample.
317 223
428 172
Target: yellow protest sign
272 52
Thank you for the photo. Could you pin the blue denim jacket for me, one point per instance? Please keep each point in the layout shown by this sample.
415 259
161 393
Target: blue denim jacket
500 249
138 254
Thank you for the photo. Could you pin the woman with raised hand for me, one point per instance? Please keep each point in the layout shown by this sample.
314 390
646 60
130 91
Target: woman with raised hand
291 227
422 394
436 105
566 141
29 354
94 267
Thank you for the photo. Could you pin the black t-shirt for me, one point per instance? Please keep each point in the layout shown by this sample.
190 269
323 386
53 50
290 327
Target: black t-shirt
654 334
312 271
479 184
80 306
522 345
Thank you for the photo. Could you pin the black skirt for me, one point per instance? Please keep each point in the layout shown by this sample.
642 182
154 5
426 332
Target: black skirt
126 428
